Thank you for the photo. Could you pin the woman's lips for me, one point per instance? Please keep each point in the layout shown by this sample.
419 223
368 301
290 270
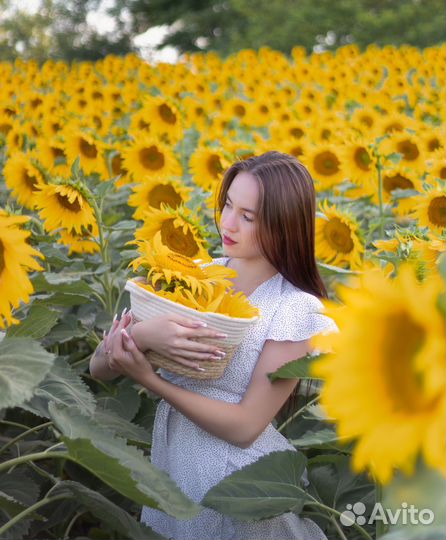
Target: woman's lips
227 241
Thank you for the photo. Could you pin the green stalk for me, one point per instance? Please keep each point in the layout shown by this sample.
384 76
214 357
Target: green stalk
380 197
32 457
379 525
30 510
334 512
23 435
296 414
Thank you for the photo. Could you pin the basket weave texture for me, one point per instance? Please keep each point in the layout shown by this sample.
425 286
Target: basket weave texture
145 305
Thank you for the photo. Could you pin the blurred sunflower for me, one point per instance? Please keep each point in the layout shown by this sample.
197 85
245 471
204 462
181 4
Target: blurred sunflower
63 206
170 266
430 209
408 146
150 157
360 163
165 117
17 257
391 339
207 166
325 164
88 149
180 231
154 192
81 243
337 238
23 178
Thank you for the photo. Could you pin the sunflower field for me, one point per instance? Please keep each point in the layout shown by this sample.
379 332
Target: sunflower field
96 157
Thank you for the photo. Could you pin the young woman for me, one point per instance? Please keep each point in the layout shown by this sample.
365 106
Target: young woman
206 429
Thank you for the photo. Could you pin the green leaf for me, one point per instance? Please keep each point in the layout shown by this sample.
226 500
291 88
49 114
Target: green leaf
333 482
36 324
112 516
267 488
23 365
123 400
296 369
322 437
328 269
67 329
61 385
121 427
124 468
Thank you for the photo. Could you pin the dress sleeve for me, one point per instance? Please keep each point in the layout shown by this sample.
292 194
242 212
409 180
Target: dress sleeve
298 317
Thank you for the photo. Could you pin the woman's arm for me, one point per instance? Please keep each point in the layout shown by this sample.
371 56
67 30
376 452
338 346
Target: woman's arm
237 423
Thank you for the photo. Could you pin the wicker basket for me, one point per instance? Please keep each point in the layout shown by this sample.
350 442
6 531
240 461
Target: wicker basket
145 305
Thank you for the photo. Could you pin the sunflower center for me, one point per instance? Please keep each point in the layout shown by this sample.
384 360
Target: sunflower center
214 166
88 150
180 260
394 126
56 127
408 149
443 173
296 133
57 152
239 110
362 159
367 120
143 125
167 114
174 238
401 340
5 128
326 163
433 144
437 211
117 165
163 194
2 257
151 159
296 151
338 235
29 179
397 181
71 206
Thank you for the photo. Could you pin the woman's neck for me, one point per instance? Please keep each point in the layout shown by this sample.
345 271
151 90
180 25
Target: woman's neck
250 273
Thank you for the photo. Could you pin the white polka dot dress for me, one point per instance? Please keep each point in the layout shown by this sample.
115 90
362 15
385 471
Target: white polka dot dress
197 460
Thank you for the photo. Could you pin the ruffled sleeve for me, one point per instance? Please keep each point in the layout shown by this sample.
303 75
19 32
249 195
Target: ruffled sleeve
298 317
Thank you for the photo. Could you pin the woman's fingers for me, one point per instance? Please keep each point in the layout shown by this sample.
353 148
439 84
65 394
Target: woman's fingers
187 322
203 333
195 347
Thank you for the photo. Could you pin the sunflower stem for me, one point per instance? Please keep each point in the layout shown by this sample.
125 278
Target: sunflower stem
31 510
23 435
296 414
379 525
380 196
6 465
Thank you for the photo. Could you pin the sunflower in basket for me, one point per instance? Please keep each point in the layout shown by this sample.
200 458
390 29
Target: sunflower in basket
205 288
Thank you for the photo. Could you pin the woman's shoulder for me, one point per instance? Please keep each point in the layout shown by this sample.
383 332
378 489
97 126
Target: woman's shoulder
290 294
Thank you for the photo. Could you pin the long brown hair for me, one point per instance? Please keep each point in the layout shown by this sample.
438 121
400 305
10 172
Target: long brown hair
285 229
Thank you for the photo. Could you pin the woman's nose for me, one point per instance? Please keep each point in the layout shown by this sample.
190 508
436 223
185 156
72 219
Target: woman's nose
229 221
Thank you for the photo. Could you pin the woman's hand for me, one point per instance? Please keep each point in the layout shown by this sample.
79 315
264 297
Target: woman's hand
174 336
123 355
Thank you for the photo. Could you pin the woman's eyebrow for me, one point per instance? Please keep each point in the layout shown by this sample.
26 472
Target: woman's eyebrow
245 209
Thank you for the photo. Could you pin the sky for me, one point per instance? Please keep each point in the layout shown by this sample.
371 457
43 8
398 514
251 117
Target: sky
103 23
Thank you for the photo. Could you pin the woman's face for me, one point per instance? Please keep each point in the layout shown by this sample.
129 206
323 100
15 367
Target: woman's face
239 216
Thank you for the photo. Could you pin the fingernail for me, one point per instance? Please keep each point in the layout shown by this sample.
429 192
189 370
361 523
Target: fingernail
104 334
115 317
221 335
123 312
202 324
221 353
124 333
200 369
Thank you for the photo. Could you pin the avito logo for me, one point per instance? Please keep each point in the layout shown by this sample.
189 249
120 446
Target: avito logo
407 514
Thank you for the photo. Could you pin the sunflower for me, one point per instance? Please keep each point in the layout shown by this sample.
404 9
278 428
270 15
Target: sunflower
88 149
430 209
165 117
207 166
154 192
170 267
17 257
51 153
325 164
408 146
63 206
360 163
23 178
392 340
180 231
81 243
150 157
337 238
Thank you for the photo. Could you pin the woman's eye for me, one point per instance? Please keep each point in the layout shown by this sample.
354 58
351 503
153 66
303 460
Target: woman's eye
246 218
